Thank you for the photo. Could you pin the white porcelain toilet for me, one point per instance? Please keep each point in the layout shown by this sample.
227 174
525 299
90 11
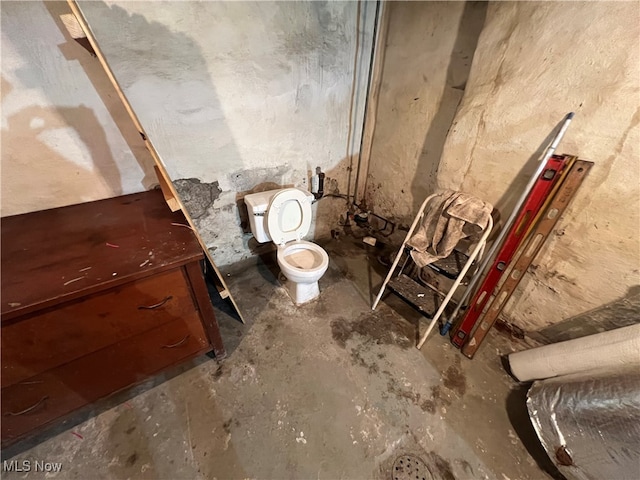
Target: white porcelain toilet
284 217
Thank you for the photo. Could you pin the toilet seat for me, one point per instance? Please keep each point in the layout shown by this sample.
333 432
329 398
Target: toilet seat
289 216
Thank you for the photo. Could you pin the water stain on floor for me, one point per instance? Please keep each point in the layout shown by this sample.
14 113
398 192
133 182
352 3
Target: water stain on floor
437 400
380 328
454 379
347 378
357 358
442 466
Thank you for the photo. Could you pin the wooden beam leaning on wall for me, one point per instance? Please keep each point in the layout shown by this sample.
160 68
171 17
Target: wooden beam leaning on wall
168 189
75 30
540 232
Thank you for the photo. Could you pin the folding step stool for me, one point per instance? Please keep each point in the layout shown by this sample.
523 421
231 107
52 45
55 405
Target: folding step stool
422 295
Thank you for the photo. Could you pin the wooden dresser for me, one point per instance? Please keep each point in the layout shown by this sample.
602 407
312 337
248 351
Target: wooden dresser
96 298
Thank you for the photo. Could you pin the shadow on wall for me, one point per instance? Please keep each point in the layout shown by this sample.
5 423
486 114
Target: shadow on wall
617 314
30 159
74 52
45 167
505 205
167 70
166 78
471 24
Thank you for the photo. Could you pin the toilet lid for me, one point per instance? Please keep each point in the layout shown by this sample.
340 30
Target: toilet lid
289 216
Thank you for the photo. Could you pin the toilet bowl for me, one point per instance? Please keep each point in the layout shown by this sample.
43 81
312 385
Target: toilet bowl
303 263
284 217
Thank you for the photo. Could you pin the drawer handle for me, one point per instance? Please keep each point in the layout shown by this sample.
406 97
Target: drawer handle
157 305
27 410
174 345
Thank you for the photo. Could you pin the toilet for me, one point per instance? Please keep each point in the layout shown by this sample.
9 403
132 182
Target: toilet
284 216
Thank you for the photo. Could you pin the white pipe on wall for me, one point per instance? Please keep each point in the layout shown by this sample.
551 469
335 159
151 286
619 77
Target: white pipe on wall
617 347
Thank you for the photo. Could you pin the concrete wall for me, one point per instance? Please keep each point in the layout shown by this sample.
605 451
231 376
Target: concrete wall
535 62
240 97
65 136
428 56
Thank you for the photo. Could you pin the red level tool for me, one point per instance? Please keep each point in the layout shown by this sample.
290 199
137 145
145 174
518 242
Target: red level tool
541 232
543 185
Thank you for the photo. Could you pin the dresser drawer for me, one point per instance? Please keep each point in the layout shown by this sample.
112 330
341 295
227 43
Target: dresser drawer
48 339
40 400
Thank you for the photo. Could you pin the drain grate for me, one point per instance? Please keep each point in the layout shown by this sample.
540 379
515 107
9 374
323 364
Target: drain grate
410 467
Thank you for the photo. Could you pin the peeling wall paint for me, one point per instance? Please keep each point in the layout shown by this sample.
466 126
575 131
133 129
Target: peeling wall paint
429 49
66 138
535 62
244 94
196 196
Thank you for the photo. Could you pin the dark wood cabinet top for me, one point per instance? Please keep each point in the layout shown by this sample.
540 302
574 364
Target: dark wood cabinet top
65 253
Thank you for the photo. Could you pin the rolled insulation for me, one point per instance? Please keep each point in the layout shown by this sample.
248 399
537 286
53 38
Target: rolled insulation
615 348
589 422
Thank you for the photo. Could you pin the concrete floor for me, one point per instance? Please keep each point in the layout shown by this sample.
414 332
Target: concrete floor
327 390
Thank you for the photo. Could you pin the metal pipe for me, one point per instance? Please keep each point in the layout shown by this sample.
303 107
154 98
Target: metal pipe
351 101
507 226
374 44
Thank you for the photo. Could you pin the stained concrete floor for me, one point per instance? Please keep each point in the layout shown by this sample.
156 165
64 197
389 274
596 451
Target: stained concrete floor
327 390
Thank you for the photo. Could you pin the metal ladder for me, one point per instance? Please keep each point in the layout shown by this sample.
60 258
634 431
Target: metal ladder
428 298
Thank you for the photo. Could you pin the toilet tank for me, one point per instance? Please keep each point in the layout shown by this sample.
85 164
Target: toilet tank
257 205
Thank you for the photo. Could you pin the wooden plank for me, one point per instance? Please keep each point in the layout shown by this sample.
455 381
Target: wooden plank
75 31
167 192
156 157
541 232
422 298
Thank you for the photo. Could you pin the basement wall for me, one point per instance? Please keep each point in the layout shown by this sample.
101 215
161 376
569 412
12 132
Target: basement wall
429 49
535 62
239 97
65 137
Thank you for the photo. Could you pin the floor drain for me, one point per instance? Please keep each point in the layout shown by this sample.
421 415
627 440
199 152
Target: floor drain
410 467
